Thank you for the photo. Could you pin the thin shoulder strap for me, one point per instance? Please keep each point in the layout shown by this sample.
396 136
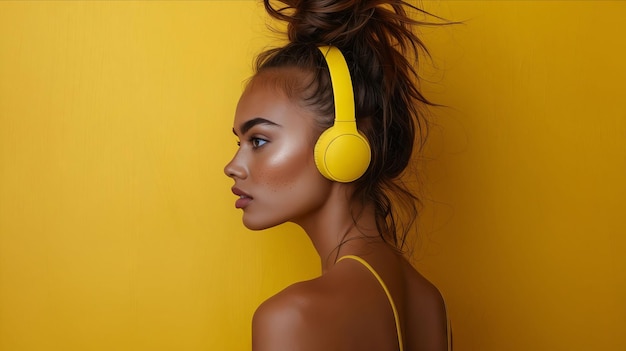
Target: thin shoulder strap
448 327
382 283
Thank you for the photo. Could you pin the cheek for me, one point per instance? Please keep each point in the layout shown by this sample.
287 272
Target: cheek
287 167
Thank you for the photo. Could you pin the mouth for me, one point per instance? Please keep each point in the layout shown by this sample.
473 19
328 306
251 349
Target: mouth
244 199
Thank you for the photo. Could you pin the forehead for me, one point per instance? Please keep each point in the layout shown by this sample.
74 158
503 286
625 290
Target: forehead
265 97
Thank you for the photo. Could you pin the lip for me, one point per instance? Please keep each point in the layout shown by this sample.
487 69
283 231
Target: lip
244 198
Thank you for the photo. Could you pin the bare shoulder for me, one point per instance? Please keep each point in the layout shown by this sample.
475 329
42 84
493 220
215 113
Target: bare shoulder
346 309
325 313
291 319
427 318
427 292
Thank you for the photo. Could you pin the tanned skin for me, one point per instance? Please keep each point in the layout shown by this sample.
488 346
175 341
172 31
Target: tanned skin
345 308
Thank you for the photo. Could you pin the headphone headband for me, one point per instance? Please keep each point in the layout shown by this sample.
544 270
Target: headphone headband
343 92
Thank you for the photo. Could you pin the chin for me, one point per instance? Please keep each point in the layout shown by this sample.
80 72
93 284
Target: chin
258 225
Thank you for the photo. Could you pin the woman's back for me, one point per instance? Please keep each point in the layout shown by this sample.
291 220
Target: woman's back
347 309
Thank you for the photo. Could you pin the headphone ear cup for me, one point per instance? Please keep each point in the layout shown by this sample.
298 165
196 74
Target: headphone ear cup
342 155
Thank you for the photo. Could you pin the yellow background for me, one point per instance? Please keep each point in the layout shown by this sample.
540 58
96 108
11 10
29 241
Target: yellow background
117 226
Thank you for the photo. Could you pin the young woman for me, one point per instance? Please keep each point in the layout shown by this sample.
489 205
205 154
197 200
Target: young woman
343 189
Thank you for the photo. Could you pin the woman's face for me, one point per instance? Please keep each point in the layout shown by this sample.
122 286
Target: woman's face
274 169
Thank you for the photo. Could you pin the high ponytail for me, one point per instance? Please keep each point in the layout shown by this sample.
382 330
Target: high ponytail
382 50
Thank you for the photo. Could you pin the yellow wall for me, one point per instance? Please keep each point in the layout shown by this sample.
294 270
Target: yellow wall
117 226
528 245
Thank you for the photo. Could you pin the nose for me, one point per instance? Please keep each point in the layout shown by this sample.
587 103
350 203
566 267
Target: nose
235 168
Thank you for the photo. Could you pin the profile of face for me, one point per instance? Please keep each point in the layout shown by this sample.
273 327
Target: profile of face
274 170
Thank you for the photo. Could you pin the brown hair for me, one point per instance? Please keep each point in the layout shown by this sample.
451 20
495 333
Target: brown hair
382 51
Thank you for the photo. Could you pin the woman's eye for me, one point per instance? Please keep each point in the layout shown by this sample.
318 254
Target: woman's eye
257 142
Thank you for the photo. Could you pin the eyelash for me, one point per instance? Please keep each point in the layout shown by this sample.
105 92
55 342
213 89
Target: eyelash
254 142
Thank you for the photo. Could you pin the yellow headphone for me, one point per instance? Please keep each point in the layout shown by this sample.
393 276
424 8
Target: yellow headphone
342 153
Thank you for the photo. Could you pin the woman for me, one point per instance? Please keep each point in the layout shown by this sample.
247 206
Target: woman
343 189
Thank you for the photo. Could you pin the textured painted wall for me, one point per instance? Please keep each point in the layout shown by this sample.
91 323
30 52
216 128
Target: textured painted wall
528 243
117 226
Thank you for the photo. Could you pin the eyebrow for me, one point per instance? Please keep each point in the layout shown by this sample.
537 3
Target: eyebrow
245 127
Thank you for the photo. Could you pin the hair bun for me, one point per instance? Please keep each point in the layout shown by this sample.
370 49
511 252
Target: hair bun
323 21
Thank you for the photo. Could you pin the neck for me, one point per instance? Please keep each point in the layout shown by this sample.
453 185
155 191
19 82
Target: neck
340 227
